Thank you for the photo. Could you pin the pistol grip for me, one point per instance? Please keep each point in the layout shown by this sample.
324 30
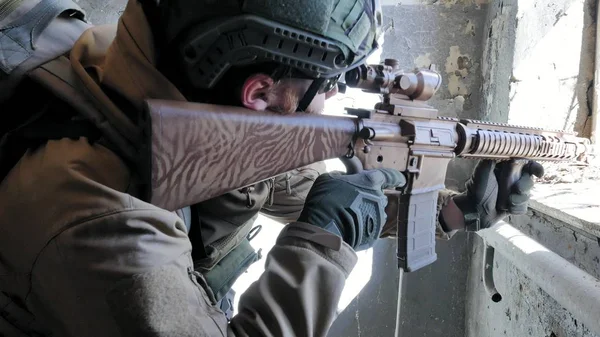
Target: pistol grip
509 174
353 164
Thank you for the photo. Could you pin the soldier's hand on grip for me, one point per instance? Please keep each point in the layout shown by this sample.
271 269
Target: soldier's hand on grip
480 203
351 206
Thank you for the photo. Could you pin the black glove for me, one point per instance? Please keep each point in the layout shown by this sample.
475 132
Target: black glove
479 203
351 206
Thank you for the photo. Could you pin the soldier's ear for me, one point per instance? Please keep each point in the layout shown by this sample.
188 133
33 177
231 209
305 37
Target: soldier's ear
256 92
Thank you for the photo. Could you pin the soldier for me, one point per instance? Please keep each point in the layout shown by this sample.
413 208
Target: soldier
81 253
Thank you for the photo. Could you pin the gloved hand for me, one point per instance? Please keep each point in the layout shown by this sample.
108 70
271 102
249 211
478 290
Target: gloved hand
351 206
479 203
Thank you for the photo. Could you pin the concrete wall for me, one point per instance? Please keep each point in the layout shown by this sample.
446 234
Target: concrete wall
525 309
433 303
537 70
448 35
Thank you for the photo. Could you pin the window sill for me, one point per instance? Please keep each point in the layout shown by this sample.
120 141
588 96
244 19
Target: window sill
577 204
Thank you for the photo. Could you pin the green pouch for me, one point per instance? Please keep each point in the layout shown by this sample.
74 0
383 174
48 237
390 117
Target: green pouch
222 276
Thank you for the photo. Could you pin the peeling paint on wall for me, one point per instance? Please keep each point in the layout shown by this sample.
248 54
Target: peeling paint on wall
447 3
423 61
458 102
456 86
457 63
450 3
457 66
470 28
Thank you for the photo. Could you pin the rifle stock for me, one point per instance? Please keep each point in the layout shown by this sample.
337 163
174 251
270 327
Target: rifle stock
200 151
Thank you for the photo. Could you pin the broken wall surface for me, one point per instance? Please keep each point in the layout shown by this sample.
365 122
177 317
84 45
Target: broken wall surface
446 34
537 63
537 70
526 309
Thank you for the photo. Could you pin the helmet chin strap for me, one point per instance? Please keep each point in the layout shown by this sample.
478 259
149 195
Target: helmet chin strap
310 94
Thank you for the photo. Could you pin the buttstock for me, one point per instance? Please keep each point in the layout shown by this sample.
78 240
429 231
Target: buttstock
200 151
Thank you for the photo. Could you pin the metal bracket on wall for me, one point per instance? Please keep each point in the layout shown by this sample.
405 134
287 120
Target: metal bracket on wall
488 274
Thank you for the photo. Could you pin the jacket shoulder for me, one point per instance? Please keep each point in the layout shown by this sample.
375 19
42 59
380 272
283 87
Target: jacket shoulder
56 185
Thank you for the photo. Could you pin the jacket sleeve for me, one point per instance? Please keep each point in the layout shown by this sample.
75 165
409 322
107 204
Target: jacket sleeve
299 291
130 273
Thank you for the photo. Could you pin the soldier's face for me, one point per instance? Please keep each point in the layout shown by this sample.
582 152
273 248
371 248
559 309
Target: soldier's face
299 88
260 92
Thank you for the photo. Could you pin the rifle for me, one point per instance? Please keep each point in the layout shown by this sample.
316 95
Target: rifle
200 151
